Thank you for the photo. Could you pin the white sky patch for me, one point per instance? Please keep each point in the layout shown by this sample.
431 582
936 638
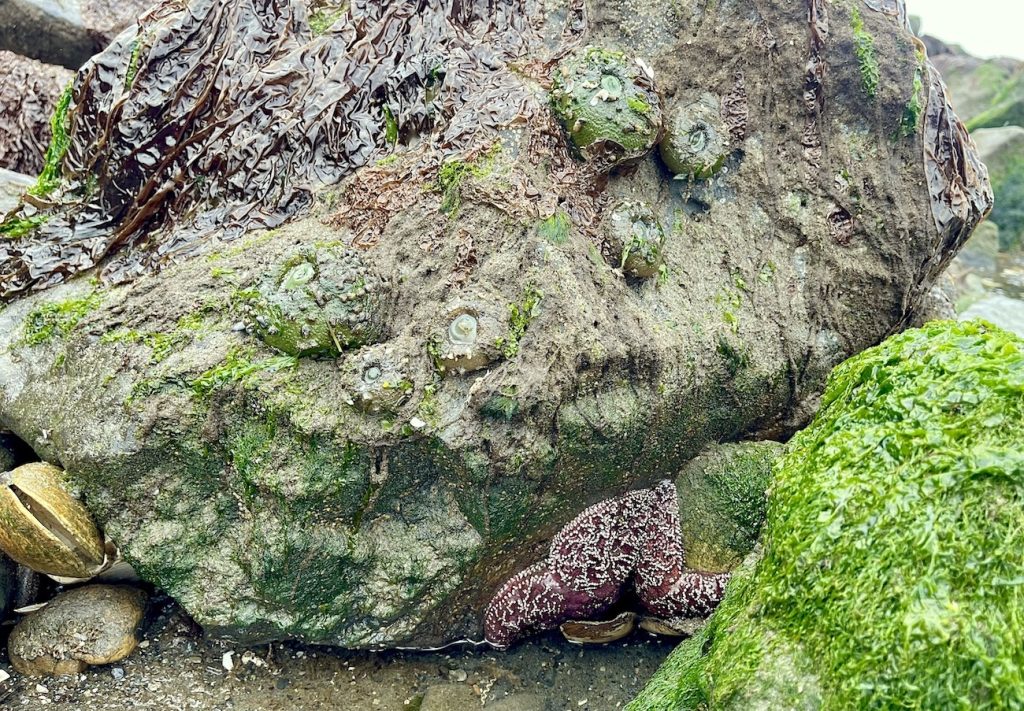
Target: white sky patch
985 28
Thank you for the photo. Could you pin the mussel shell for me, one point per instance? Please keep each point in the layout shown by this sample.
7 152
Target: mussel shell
599 632
45 528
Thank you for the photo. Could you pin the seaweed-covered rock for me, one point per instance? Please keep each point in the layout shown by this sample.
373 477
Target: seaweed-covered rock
209 146
29 93
722 502
608 105
892 550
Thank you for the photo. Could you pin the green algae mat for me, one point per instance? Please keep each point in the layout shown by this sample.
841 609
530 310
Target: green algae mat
892 569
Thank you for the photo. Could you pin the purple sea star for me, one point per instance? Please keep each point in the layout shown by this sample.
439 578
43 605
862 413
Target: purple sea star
634 538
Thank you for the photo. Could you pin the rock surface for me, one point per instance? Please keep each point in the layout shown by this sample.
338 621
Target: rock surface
64 32
95 624
29 92
892 549
12 186
252 485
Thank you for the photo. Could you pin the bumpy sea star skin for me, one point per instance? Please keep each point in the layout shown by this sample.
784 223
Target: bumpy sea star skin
634 538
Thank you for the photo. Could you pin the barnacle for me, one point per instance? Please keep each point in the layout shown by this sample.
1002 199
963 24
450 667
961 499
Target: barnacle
318 302
377 379
636 239
43 527
696 141
608 105
469 340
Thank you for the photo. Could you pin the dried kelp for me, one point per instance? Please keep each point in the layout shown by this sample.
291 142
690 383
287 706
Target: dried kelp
957 179
29 91
217 116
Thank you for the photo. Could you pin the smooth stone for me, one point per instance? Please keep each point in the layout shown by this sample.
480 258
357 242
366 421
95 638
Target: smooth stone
446 697
66 32
12 186
1004 311
95 624
521 702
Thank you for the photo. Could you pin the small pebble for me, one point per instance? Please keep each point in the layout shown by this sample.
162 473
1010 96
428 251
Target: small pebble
117 673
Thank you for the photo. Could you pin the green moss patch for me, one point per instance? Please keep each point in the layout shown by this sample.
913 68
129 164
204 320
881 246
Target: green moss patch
911 119
240 365
49 178
722 502
519 317
452 173
864 46
21 226
56 319
894 545
161 344
556 228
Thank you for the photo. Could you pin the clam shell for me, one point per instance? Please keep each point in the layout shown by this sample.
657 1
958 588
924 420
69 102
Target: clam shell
45 528
675 627
599 632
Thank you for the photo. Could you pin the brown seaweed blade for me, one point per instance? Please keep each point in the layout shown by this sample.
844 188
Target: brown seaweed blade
957 179
217 115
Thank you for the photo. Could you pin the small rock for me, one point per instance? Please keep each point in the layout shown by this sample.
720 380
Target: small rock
117 673
445 697
4 676
521 702
458 675
95 624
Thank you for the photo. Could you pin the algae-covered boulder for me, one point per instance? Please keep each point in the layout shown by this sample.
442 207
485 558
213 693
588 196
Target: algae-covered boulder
988 93
377 488
1003 152
893 549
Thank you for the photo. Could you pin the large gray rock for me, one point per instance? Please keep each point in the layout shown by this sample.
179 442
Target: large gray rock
375 498
65 32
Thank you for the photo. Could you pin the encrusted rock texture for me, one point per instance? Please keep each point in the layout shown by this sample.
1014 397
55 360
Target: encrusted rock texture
257 487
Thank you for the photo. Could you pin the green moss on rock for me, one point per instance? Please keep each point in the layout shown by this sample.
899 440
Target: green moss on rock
722 502
57 319
864 47
893 549
50 176
608 106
